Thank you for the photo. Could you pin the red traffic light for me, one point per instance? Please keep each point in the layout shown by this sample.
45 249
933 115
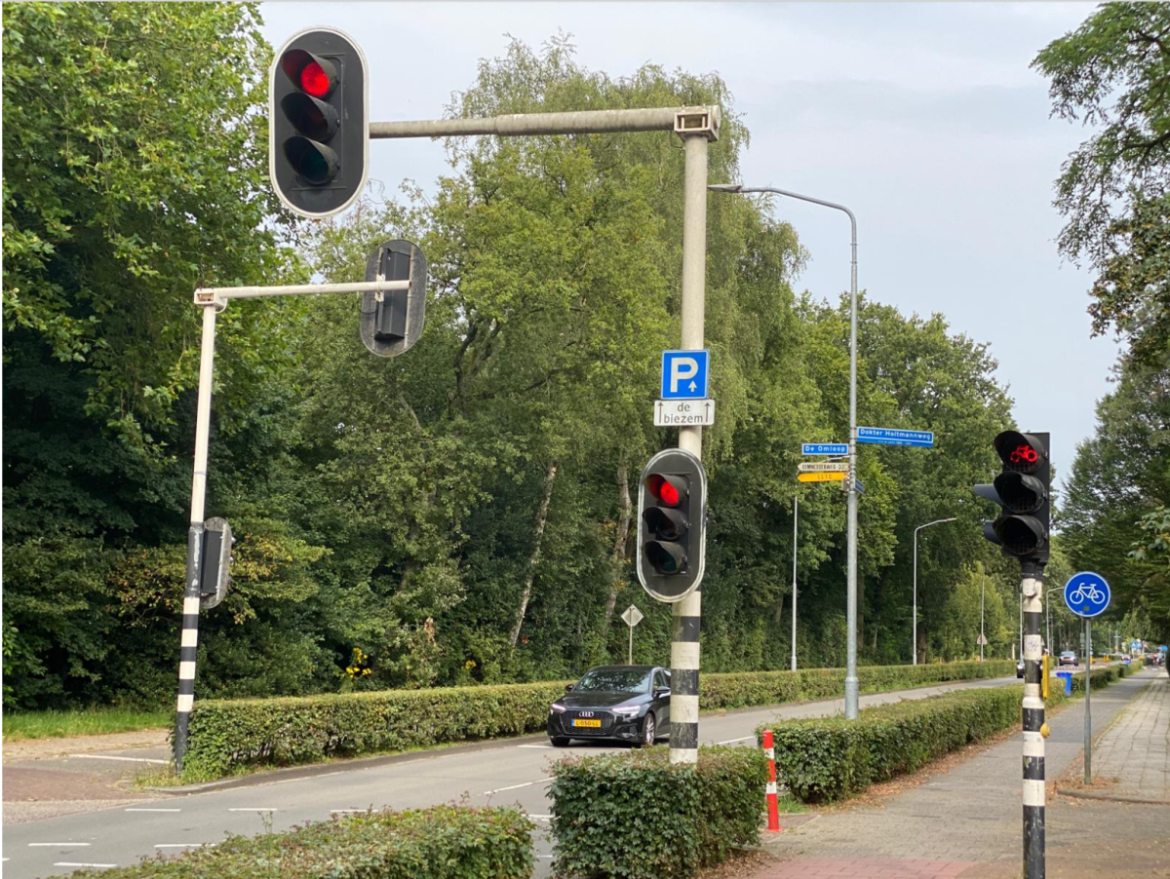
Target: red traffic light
1020 452
669 490
1024 454
313 75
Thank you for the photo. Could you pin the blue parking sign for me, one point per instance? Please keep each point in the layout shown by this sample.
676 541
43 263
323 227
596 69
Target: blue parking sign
685 374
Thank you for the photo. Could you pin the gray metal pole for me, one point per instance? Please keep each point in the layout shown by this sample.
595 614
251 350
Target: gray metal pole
852 689
795 514
1031 590
189 642
1088 702
914 613
982 596
630 660
685 616
575 122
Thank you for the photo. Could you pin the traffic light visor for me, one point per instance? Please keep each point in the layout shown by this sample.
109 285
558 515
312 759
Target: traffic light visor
313 75
1020 535
314 119
667 524
666 557
1019 451
669 490
1019 492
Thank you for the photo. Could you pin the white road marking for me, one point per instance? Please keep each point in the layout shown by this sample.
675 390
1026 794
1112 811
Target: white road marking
57 844
75 864
545 857
733 741
254 809
488 793
540 817
152 810
540 747
125 759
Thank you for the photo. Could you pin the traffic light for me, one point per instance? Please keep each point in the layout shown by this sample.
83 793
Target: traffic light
1022 489
215 566
317 127
672 525
392 321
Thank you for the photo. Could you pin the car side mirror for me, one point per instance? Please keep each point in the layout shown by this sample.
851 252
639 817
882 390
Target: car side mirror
568 687
661 692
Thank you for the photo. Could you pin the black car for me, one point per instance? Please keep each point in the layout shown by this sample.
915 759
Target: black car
630 703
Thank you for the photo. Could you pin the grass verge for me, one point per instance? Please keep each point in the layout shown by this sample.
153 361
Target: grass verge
82 722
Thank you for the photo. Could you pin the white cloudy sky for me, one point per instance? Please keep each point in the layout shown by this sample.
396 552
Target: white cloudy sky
924 118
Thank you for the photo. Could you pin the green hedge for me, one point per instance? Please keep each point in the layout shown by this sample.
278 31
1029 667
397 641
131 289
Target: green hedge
637 816
226 735
443 842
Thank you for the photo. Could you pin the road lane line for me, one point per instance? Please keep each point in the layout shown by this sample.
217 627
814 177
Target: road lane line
57 844
488 793
126 759
540 747
76 864
152 810
334 811
540 817
733 741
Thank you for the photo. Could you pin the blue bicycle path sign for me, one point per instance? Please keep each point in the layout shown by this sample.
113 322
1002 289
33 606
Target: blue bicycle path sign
1086 594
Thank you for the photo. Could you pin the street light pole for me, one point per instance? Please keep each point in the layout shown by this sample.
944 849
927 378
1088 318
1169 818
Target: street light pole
852 689
795 513
982 594
914 636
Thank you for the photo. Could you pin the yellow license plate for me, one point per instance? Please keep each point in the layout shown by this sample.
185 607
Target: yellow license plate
579 722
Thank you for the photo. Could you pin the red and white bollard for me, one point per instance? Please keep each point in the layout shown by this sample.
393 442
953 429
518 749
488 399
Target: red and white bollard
773 808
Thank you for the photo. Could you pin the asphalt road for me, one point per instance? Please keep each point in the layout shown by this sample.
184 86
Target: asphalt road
507 772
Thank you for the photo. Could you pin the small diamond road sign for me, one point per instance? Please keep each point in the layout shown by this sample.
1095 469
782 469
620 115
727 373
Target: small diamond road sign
685 374
684 413
824 449
632 616
824 467
889 436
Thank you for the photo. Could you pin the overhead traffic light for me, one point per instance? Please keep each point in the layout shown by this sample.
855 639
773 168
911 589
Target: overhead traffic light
672 525
317 126
1022 489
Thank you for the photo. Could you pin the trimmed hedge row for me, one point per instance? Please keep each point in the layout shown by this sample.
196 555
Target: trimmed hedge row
443 842
226 735
826 759
637 816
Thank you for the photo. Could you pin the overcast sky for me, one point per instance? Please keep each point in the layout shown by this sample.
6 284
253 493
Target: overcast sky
923 118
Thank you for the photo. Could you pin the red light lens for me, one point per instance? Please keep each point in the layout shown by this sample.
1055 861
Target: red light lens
1024 454
663 490
314 80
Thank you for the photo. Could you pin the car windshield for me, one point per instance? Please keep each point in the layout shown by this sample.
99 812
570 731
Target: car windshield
614 680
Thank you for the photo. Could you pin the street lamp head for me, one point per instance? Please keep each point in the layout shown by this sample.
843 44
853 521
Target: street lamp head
725 187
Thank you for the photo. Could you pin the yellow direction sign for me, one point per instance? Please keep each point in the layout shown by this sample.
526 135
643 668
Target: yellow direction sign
821 477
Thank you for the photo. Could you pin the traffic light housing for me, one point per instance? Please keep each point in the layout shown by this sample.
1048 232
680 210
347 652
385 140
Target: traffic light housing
318 143
392 321
215 566
672 525
1022 489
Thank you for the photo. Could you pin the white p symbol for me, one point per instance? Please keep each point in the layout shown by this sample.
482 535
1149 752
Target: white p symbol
681 369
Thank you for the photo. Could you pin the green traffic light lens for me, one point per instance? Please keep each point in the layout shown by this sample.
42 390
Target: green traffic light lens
314 161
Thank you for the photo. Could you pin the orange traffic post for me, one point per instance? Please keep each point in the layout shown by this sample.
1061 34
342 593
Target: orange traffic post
773 808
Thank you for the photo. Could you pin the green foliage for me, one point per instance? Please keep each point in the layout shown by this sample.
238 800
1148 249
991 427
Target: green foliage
228 735
638 816
92 721
442 842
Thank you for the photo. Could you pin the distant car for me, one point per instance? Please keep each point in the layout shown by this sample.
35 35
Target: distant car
1068 658
630 703
1019 668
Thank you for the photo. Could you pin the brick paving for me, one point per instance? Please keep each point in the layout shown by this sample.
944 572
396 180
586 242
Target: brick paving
1135 752
964 823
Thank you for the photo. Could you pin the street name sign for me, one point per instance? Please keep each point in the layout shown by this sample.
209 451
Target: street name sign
685 374
820 477
824 449
632 616
824 467
1086 594
890 436
684 413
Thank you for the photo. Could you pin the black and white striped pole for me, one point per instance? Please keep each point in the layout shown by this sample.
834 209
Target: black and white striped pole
1032 585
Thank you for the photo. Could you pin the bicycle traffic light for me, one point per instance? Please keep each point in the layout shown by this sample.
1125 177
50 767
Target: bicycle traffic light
391 322
1022 489
672 525
215 569
317 129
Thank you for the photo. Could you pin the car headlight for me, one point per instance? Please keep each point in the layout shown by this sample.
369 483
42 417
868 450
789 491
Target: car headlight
556 708
627 711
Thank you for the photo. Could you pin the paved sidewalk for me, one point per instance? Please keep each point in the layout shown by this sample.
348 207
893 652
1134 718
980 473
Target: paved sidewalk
1134 754
963 822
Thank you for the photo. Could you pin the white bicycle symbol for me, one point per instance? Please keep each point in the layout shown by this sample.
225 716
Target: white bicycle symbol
1093 595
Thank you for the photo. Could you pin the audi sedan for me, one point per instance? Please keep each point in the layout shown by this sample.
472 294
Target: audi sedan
629 703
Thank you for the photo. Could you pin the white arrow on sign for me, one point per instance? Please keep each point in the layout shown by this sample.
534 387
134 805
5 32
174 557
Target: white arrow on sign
632 616
823 467
684 413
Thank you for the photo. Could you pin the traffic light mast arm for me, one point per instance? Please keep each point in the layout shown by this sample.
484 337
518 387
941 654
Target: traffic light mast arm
680 119
219 295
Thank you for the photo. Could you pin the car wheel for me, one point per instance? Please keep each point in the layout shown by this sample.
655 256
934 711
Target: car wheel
649 732
559 741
